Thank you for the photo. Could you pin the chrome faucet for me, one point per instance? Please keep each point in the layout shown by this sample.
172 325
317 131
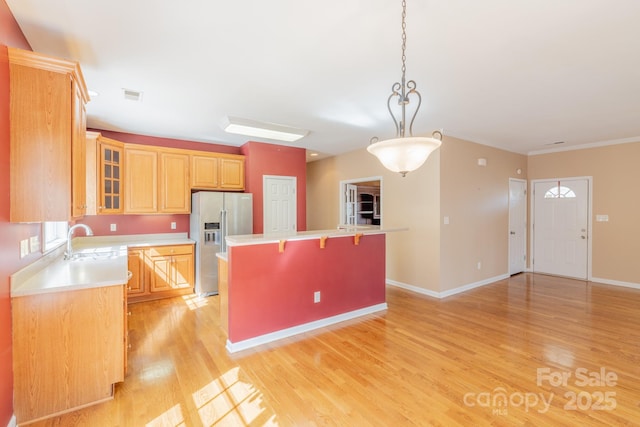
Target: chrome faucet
69 253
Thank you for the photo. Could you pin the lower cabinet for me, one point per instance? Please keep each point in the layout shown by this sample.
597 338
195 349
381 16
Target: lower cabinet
69 348
160 272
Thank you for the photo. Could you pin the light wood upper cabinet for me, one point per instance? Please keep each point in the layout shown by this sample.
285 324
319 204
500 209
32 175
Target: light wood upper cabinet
204 172
216 171
231 173
145 179
47 97
156 180
78 153
110 176
141 180
175 194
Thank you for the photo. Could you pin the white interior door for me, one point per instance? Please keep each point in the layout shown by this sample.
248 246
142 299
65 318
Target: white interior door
351 204
560 228
279 203
517 225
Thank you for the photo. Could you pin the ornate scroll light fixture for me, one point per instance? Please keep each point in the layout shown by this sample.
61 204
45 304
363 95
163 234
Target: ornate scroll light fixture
403 153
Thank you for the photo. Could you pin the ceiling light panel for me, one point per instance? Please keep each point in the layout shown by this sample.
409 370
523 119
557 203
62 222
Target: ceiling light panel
263 130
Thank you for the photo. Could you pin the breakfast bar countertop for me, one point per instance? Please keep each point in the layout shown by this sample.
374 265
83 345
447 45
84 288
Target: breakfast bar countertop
342 231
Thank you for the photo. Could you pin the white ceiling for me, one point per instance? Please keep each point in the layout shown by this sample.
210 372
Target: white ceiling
518 75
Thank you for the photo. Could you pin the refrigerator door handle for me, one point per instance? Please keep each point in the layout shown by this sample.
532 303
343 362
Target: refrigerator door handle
223 229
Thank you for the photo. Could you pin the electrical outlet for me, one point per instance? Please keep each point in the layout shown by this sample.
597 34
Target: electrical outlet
24 248
34 244
113 227
479 265
316 297
173 225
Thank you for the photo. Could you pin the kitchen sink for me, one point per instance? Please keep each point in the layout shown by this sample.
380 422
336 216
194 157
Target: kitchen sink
94 255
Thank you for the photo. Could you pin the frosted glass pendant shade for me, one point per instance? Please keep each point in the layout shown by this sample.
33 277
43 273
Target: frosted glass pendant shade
404 155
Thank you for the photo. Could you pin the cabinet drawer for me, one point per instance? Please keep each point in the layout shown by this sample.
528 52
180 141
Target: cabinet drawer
171 250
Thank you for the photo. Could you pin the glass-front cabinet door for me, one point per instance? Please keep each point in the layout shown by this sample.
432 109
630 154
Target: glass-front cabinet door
110 178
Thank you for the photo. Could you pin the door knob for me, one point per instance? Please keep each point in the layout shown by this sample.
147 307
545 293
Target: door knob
512 232
583 237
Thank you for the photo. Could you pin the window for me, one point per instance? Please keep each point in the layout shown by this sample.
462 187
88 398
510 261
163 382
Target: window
54 234
559 192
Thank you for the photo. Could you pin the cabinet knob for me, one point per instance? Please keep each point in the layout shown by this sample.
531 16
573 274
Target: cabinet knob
128 313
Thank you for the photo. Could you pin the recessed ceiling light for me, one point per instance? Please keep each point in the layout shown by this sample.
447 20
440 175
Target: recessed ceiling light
93 93
313 154
263 130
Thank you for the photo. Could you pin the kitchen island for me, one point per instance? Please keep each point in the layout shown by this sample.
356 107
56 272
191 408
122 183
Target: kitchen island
280 285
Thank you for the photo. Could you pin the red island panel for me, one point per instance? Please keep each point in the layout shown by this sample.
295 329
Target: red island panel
271 291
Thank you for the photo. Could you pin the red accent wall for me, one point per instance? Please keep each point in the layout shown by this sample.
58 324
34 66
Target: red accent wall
270 291
136 224
10 234
270 159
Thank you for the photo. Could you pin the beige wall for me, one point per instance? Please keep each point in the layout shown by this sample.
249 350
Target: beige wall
413 256
430 255
616 175
476 200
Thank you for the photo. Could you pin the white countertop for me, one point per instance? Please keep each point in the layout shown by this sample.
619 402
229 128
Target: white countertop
257 239
102 262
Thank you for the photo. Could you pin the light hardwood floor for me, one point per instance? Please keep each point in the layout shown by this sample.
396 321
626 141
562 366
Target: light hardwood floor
422 362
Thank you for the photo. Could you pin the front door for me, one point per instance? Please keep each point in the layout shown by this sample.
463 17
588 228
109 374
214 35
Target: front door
279 204
560 228
517 225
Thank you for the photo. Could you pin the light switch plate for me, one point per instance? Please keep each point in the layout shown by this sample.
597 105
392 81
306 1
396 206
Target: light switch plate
34 244
173 225
113 227
602 218
316 297
24 248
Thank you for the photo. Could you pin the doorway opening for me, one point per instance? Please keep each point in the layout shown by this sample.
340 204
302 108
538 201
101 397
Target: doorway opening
517 225
361 201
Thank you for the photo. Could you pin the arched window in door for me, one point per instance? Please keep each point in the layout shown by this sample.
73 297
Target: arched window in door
559 192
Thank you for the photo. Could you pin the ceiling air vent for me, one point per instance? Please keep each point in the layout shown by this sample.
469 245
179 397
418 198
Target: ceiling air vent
132 95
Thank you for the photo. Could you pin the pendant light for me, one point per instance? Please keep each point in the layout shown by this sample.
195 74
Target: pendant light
404 153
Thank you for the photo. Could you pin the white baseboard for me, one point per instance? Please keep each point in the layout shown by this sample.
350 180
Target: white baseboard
233 347
449 292
13 422
616 283
415 289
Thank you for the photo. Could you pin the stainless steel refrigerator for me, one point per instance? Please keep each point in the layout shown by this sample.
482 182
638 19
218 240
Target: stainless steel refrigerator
215 215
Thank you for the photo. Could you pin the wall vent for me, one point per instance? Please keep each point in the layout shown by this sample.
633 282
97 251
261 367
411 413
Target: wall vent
132 95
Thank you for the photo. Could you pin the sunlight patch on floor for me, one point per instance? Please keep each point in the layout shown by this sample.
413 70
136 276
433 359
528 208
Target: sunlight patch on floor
172 417
195 301
158 370
229 401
